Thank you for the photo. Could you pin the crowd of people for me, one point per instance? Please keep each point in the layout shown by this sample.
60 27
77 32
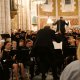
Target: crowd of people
38 48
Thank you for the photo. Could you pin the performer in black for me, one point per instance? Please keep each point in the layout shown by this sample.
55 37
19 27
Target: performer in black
61 25
6 60
44 51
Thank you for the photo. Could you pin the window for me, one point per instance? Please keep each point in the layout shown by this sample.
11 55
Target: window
67 2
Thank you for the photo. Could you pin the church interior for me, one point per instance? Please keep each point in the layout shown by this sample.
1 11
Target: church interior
20 21
34 14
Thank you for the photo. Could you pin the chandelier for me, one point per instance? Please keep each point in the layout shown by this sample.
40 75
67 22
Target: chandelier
39 1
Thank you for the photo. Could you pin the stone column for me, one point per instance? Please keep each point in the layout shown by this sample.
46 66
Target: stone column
57 9
3 14
7 17
28 19
0 19
24 14
19 15
79 10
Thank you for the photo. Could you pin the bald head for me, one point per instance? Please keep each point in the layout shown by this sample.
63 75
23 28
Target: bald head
47 27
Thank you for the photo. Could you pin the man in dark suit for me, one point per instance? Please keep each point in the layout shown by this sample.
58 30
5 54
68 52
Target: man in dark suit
61 25
44 51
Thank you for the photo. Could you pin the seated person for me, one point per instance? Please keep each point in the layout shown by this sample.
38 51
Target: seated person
13 54
72 71
21 57
30 57
6 60
1 67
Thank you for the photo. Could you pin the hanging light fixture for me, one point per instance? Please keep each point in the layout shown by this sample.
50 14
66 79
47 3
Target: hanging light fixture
39 1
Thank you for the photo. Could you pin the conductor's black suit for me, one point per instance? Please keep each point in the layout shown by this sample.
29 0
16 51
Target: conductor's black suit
61 25
44 50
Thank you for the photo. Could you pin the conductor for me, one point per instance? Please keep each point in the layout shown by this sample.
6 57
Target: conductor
61 25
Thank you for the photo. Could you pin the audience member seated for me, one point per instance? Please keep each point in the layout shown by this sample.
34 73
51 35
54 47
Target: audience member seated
1 67
6 60
21 57
13 54
30 57
72 71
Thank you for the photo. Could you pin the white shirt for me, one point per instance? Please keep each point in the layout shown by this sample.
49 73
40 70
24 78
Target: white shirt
57 45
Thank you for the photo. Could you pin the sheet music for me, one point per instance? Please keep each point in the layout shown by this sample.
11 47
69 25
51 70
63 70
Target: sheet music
57 45
2 40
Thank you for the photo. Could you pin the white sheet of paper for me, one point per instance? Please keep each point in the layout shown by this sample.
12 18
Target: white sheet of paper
57 45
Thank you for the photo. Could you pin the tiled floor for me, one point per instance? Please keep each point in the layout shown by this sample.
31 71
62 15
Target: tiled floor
38 77
49 77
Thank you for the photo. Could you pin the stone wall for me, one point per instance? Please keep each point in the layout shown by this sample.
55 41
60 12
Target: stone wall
57 8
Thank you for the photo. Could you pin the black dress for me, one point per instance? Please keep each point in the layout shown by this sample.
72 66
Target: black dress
6 63
23 55
14 53
1 72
